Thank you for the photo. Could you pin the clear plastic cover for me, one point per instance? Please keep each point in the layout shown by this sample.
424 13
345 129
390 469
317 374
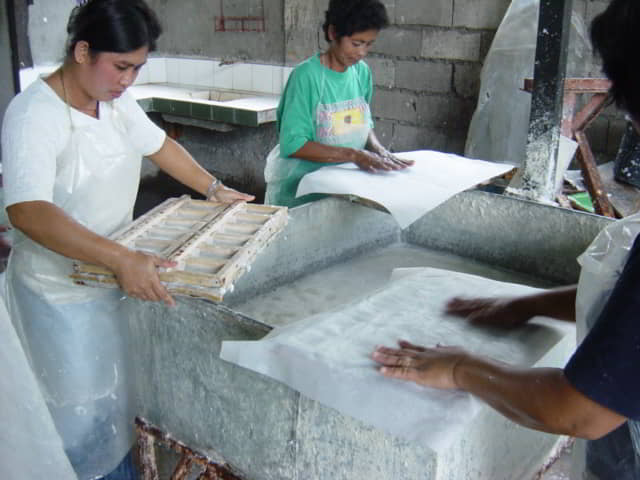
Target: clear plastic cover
30 447
500 124
617 455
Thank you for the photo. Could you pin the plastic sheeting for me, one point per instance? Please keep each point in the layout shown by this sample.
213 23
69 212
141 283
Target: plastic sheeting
500 124
602 263
327 357
30 447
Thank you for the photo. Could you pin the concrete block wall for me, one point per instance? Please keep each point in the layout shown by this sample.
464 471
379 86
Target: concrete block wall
427 68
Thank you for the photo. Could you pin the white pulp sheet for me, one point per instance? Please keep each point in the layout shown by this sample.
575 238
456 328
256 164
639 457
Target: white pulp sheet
407 194
327 357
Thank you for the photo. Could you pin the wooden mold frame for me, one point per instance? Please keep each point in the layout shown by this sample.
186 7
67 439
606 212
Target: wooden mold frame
212 243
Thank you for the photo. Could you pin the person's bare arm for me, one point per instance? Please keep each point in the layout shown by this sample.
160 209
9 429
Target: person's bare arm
365 159
539 398
374 145
177 162
557 303
50 226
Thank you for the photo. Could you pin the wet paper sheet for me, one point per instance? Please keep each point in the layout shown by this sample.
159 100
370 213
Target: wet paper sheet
407 194
327 357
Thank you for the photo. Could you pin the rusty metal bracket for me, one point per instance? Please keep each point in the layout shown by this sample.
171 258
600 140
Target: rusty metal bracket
574 125
150 435
247 23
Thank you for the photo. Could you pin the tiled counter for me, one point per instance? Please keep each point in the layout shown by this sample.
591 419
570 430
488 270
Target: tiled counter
203 89
235 107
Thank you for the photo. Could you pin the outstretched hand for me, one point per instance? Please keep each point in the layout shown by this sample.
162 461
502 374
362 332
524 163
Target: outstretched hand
431 367
226 194
489 311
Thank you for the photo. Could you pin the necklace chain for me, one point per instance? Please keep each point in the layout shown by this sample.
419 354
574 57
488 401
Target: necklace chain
69 104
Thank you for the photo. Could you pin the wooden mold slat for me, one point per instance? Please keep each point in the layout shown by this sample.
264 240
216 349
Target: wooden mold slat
149 220
245 256
212 243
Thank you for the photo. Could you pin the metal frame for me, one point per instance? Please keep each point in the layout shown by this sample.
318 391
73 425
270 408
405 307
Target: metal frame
574 126
240 23
150 435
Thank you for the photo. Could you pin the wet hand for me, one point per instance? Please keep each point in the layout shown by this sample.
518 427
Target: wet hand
431 367
373 162
137 275
400 162
225 194
490 311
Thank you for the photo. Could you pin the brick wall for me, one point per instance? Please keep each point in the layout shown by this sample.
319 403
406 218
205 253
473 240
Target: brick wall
427 68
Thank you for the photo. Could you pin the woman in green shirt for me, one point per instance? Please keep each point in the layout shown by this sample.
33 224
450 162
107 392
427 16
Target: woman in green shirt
323 115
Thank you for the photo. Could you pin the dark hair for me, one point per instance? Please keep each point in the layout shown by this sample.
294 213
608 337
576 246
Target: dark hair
353 16
614 34
113 26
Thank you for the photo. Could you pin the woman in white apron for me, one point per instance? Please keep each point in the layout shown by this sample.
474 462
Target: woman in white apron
72 146
324 115
597 395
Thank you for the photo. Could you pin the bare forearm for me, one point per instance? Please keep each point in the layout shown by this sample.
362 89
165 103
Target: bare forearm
557 303
540 398
51 227
321 153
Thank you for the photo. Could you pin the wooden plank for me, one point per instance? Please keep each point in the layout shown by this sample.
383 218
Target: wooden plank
624 198
577 85
244 256
212 243
592 178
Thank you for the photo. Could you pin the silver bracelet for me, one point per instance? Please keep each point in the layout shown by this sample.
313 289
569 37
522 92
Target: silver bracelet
211 191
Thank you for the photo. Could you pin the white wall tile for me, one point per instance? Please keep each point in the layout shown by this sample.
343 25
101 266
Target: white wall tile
157 69
222 76
188 70
286 71
204 73
143 75
262 78
173 70
242 76
280 75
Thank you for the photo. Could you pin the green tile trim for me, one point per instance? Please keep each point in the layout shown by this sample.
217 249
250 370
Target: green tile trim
162 105
182 109
246 117
200 111
223 114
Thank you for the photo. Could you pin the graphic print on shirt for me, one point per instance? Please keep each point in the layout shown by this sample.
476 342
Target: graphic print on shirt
343 122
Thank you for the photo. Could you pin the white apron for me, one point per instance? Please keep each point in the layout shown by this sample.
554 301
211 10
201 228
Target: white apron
75 337
602 263
30 447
